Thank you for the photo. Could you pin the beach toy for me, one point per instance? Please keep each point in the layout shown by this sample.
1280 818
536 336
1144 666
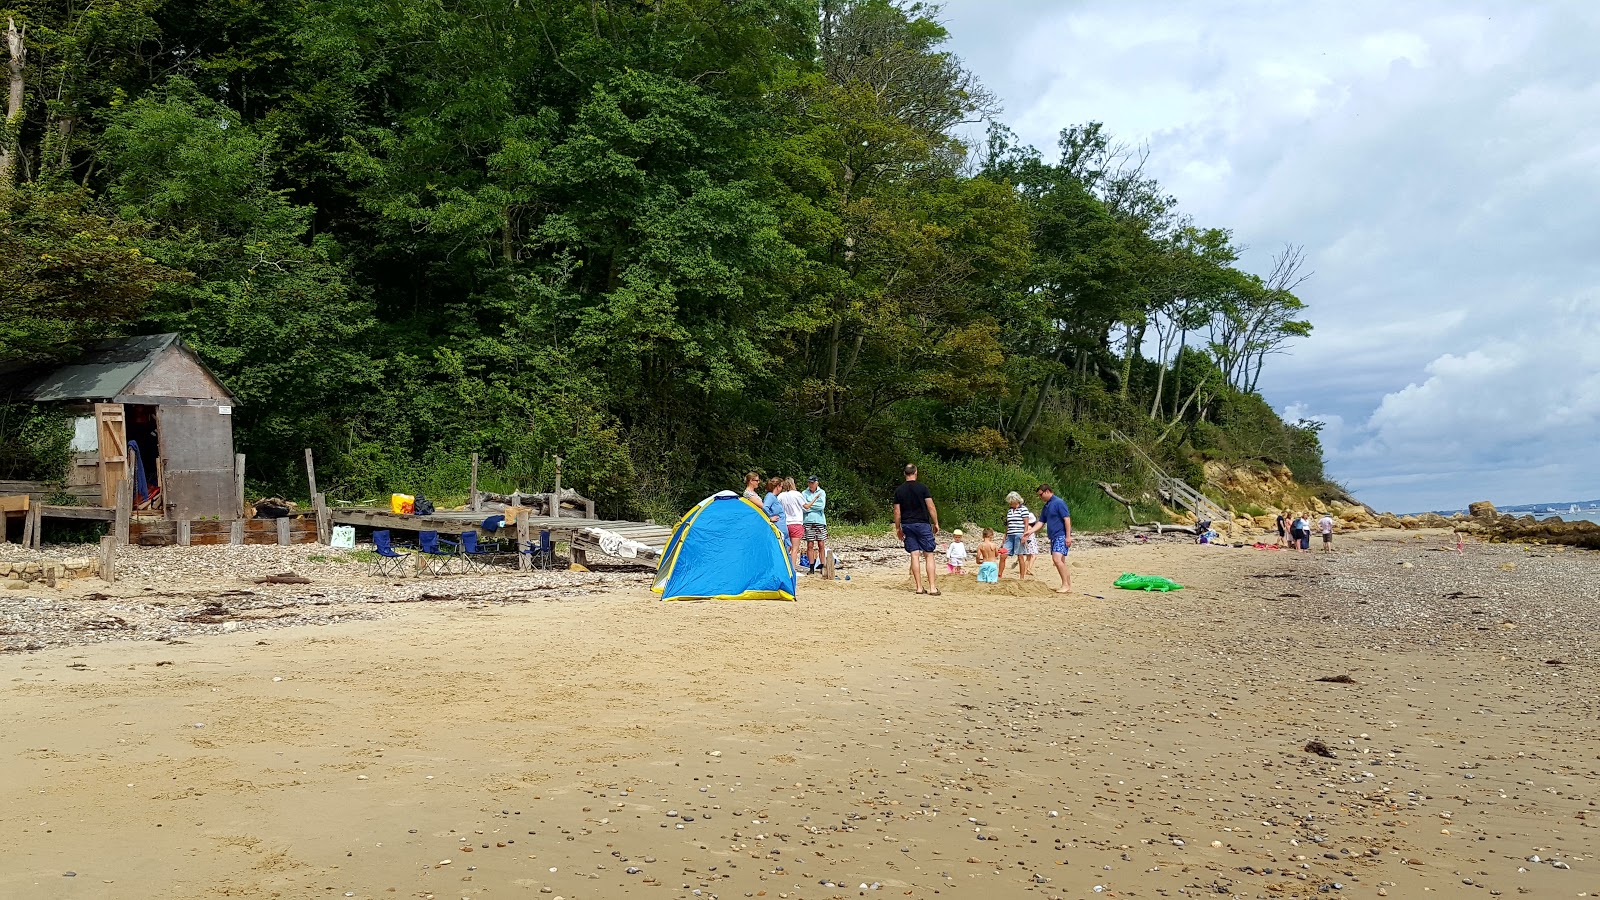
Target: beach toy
1132 582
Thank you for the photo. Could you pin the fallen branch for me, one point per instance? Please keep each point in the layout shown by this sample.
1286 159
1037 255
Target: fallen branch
1133 521
278 578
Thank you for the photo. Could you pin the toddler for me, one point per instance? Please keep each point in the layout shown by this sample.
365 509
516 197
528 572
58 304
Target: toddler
956 554
988 559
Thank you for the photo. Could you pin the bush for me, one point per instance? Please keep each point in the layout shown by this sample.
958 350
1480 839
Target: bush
35 443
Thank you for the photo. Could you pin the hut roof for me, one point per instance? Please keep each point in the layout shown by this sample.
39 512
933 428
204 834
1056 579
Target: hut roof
108 369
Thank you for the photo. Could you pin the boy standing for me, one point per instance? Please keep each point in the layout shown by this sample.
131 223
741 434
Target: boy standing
988 559
1325 525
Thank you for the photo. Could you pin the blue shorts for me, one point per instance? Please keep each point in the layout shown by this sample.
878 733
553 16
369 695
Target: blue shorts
919 537
1013 545
1058 544
989 572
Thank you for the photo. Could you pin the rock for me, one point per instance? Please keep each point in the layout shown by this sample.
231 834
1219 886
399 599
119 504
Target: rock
15 585
1483 509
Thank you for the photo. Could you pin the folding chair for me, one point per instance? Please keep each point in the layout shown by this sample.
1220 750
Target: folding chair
390 562
541 553
436 555
476 557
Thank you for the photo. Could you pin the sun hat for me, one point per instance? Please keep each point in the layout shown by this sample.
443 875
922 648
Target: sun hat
958 533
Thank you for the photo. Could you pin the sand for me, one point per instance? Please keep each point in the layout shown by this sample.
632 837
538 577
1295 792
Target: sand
1003 743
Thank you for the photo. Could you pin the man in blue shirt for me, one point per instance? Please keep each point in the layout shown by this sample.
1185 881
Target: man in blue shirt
1058 519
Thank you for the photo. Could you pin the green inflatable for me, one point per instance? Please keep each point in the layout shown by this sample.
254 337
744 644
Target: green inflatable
1132 582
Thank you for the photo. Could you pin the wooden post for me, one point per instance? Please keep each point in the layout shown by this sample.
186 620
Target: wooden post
283 531
124 511
827 564
183 532
475 500
36 512
524 560
555 498
27 524
236 532
108 559
319 505
311 475
238 481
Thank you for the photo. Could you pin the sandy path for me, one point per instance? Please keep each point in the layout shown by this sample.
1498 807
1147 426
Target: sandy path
1003 745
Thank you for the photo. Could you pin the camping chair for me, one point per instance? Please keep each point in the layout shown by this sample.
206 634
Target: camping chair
389 562
477 558
491 526
542 553
436 554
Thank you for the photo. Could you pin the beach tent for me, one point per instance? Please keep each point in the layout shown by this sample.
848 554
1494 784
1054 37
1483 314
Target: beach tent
725 548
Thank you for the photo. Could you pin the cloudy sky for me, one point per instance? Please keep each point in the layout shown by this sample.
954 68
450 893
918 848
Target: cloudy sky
1439 161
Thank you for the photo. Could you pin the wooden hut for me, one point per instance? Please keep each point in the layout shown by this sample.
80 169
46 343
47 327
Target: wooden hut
152 394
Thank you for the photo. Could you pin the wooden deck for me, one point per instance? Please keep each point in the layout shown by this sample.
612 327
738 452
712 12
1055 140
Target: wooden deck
582 534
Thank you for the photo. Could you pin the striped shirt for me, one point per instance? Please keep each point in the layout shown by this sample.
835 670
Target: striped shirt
1017 519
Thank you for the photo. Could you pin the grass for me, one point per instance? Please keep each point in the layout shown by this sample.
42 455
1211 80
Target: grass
975 491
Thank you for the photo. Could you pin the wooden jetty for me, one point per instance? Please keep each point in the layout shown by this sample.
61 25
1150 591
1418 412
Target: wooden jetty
585 536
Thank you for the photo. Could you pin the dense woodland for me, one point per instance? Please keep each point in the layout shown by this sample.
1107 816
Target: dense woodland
669 241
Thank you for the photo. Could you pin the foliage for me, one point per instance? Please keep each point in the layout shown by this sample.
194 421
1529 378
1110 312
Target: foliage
35 443
665 242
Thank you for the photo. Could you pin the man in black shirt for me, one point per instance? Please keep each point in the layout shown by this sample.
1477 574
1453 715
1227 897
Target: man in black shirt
916 522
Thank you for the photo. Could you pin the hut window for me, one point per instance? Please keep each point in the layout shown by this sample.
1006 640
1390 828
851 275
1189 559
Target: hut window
85 435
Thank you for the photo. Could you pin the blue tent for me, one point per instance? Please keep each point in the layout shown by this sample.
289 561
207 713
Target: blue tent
725 549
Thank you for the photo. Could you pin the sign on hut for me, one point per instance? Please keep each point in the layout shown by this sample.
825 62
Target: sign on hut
149 411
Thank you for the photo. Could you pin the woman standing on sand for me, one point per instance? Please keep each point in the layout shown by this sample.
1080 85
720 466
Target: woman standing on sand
1019 541
794 514
774 507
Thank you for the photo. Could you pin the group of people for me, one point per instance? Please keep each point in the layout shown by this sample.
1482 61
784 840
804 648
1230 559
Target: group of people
801 517
1297 531
916 523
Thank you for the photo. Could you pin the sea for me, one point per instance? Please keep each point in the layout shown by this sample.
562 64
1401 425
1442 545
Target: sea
1591 515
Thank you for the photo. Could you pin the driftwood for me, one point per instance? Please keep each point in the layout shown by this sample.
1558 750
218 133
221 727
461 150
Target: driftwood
279 578
1133 521
570 499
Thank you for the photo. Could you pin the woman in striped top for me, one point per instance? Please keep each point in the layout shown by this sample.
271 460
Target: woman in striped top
1019 536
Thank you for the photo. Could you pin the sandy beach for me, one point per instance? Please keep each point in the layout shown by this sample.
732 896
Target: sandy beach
579 739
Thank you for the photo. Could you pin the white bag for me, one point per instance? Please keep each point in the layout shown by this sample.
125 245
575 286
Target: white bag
344 537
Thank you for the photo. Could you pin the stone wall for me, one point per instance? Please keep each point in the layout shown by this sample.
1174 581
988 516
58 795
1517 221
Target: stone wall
19 575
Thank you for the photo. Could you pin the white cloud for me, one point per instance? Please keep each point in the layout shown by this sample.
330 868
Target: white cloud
1438 160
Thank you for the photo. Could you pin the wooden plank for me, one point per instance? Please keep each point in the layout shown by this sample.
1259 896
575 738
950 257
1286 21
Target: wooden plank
18 503
236 532
124 510
90 513
283 532
183 532
108 559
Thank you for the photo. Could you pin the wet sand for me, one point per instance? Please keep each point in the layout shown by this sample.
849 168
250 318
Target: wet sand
1005 743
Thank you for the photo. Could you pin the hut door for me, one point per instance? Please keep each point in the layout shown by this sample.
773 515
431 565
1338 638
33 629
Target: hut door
197 459
112 426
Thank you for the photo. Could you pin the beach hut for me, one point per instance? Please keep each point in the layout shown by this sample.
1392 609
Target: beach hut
725 548
148 410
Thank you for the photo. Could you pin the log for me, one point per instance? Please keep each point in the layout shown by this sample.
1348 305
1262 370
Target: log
279 578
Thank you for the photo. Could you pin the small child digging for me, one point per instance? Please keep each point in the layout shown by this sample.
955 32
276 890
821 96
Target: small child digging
988 559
